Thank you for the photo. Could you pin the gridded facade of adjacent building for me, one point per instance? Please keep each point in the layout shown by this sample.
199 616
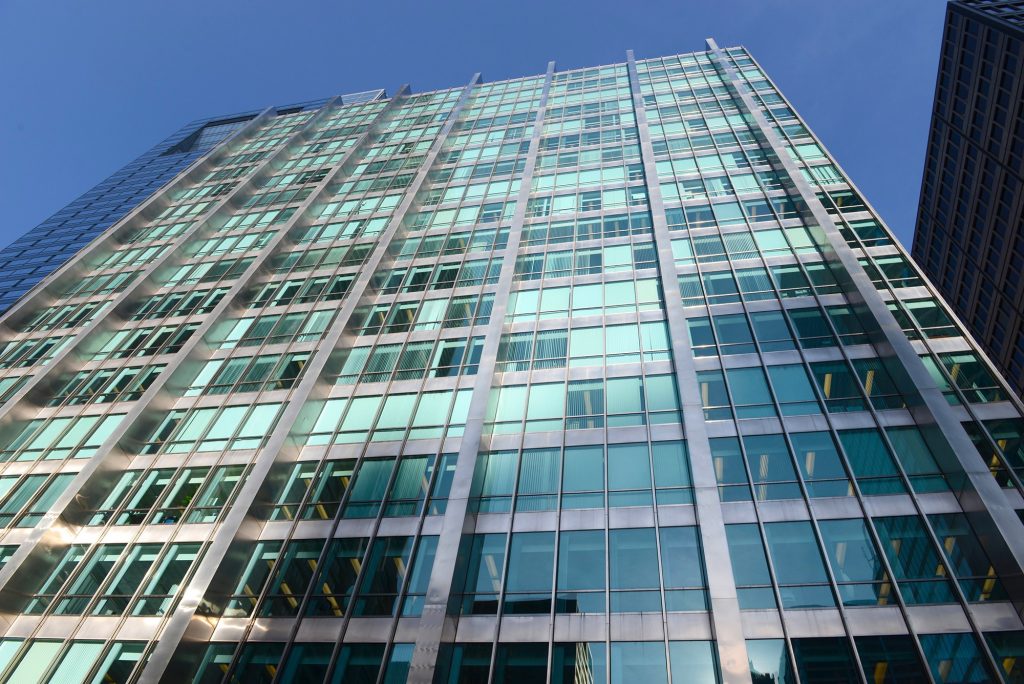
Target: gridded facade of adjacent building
45 248
970 223
604 375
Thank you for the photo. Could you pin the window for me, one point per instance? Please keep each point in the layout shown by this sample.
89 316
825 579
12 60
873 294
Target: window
914 455
922 577
769 661
793 390
871 461
955 657
530 567
60 438
749 567
858 570
839 387
569 659
812 328
581 572
826 659
481 585
799 568
521 663
771 331
820 465
879 386
894 655
714 396
971 375
771 467
963 551
750 395
1007 648
638 661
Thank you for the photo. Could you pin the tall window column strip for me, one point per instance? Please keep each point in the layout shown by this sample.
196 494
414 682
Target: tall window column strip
982 497
306 212
725 611
135 285
437 622
366 292
303 219
895 340
980 414
98 459
764 517
1007 569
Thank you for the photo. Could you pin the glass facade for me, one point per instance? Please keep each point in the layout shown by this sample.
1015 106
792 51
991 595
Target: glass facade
599 376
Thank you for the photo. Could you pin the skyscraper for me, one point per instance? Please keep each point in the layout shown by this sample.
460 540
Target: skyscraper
601 375
970 223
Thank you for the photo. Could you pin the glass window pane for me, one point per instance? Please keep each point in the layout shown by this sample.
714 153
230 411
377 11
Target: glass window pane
963 550
793 389
671 464
581 560
628 466
531 561
77 662
914 561
35 661
633 559
579 663
1008 649
955 658
118 663
749 565
769 662
681 557
584 469
358 663
855 563
526 663
638 661
307 663
795 553
693 662
892 658
825 660
398 665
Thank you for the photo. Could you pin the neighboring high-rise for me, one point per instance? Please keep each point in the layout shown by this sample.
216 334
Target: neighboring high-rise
598 376
45 248
970 224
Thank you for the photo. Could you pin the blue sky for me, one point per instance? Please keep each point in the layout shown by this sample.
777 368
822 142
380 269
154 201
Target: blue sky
88 86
